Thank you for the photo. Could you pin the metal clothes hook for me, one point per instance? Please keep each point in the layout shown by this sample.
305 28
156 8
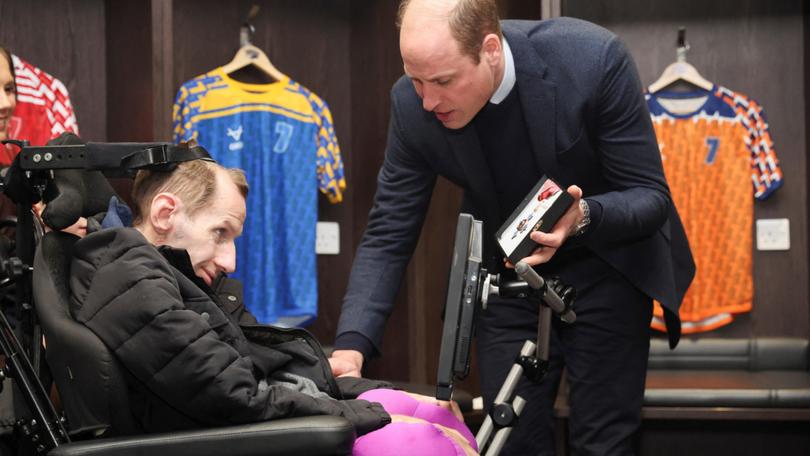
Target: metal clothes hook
247 30
683 45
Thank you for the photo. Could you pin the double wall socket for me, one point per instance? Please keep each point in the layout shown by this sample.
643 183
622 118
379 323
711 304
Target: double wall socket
773 234
327 238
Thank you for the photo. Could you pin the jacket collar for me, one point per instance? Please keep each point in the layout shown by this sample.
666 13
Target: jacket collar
180 260
537 97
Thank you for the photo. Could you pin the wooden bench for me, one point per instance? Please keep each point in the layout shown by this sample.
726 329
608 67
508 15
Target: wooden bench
721 396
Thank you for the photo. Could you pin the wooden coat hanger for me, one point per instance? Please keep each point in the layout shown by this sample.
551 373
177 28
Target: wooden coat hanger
680 70
250 55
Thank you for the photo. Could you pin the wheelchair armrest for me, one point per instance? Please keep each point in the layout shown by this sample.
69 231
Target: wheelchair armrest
313 435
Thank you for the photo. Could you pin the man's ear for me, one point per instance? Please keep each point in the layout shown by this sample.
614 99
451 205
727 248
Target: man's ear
163 213
491 49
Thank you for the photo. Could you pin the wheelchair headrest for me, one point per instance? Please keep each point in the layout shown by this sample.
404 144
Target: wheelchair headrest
74 193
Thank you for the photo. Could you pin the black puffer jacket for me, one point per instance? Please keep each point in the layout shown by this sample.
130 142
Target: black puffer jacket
189 362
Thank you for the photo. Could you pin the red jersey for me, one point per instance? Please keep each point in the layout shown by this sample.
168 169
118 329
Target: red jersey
43 111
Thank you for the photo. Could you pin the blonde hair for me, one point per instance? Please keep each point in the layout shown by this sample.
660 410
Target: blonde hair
193 181
470 21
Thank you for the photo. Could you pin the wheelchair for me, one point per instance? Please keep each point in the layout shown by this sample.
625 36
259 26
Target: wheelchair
96 417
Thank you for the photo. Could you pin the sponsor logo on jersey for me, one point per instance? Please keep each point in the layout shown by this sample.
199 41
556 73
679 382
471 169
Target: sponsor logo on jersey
236 135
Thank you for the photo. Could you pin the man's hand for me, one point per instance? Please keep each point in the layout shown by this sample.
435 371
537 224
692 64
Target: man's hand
346 363
551 242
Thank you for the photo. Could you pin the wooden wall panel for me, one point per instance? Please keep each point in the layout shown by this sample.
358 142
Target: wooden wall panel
307 40
519 9
806 55
65 39
161 13
130 90
375 65
755 48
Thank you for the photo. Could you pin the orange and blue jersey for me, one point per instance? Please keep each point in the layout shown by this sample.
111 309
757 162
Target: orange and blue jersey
282 136
716 156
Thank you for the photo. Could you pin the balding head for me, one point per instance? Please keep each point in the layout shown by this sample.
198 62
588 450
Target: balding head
193 181
468 21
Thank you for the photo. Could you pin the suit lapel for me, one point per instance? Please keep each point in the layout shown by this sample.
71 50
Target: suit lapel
537 98
467 149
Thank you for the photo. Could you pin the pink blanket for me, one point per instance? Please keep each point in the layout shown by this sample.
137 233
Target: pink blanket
411 439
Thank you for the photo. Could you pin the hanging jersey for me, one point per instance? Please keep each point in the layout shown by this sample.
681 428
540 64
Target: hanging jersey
282 136
715 157
43 111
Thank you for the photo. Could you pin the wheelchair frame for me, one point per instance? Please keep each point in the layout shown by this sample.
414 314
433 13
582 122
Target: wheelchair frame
46 430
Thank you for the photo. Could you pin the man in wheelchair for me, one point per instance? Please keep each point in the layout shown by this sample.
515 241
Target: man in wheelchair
158 296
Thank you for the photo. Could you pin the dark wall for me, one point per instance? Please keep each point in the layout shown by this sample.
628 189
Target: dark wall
66 40
129 71
755 48
375 65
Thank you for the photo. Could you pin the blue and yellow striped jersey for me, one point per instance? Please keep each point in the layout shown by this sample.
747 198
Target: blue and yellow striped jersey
718 158
282 136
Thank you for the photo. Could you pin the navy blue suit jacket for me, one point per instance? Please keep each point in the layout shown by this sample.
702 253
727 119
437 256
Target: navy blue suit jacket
588 125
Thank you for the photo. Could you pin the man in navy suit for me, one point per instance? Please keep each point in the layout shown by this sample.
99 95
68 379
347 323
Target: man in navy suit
493 106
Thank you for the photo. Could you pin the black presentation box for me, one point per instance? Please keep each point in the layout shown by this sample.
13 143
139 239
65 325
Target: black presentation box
539 210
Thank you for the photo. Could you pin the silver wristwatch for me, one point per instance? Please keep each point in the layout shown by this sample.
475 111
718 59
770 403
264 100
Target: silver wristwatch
586 220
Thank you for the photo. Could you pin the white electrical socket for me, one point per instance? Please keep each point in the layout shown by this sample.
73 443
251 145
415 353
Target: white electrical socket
773 234
327 238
